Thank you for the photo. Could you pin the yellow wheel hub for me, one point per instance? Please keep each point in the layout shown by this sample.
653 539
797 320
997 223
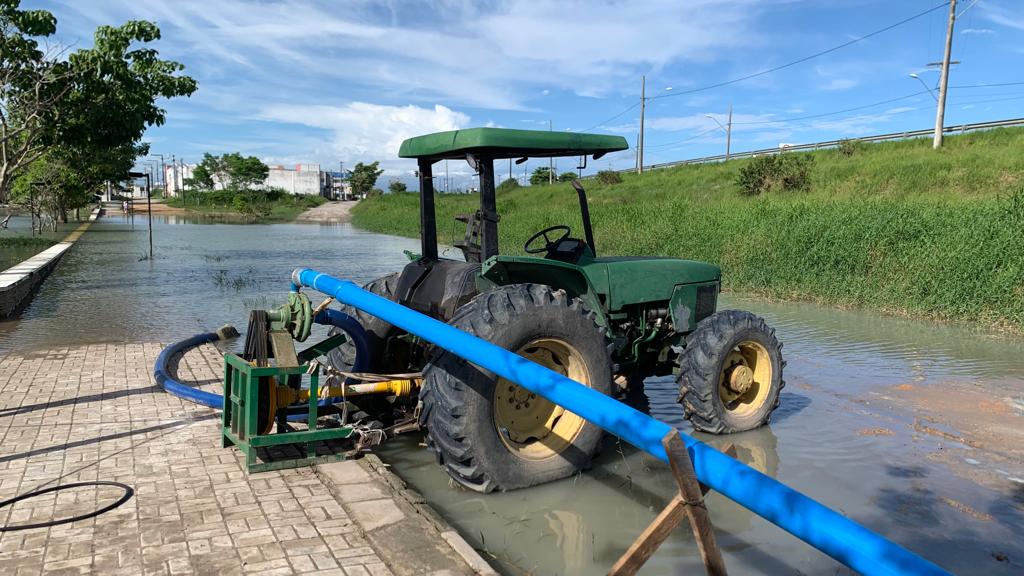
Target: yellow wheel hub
529 425
746 378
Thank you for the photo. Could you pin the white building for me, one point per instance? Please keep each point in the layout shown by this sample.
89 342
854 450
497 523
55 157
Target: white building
175 175
305 179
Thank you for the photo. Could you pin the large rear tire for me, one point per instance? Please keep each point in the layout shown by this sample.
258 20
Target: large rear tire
377 334
490 433
731 373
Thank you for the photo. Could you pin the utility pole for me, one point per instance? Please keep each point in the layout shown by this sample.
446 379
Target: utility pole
940 112
551 163
174 177
728 135
640 140
161 178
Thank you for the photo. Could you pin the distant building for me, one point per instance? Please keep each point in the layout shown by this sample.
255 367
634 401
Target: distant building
175 176
305 179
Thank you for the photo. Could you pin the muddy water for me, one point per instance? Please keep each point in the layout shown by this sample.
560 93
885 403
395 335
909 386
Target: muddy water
912 428
204 274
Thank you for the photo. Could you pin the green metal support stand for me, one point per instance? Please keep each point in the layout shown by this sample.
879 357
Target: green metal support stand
241 415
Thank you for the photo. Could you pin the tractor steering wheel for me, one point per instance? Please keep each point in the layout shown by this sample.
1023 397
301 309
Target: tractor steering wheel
548 242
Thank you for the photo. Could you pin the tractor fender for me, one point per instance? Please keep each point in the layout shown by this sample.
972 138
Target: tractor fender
505 270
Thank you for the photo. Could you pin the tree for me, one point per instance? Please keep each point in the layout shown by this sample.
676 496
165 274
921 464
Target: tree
540 176
567 176
244 172
364 178
397 186
228 171
31 84
508 184
94 100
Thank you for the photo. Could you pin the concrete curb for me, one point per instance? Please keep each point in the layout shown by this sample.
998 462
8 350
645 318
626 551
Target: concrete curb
19 282
395 490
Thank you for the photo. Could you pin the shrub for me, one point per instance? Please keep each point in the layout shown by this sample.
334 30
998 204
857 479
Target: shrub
608 177
778 172
508 184
848 147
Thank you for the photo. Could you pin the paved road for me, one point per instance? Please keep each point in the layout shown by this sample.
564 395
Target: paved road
330 212
93 413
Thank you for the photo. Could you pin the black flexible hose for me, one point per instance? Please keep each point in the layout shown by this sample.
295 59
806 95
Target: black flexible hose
128 493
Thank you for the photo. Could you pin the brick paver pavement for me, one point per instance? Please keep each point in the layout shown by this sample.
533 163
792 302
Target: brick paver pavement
95 413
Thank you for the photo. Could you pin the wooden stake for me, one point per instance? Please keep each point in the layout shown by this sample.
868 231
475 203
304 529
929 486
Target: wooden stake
689 502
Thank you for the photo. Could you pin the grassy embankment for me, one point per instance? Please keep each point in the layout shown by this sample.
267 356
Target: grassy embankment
252 205
895 227
14 249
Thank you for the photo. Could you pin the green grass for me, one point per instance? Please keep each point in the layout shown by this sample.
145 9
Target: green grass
272 207
896 227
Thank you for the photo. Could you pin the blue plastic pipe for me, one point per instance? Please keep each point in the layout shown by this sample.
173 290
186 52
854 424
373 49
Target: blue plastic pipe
827 530
161 369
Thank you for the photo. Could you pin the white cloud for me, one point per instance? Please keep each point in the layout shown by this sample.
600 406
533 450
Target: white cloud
978 31
1001 16
498 55
368 132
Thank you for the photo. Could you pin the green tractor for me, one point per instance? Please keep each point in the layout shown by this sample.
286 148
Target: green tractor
606 322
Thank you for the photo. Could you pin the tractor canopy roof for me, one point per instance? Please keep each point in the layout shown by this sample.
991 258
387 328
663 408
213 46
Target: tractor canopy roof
498 143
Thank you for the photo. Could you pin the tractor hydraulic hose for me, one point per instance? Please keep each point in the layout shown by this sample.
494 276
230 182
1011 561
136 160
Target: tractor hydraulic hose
841 538
162 373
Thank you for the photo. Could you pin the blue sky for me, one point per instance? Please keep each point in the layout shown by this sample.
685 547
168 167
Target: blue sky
299 81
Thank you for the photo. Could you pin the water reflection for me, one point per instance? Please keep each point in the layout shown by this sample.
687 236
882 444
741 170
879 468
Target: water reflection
203 276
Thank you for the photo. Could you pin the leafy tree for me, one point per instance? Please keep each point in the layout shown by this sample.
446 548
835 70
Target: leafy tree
364 177
97 99
541 175
229 171
567 176
202 177
608 177
397 187
244 172
508 184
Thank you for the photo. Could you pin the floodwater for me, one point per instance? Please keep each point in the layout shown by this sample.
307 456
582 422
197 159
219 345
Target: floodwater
911 428
204 274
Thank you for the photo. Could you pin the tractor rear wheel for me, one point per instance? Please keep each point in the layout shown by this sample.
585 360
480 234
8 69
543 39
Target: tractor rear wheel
730 373
490 433
377 333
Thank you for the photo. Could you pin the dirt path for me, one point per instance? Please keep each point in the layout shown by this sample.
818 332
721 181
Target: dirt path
330 212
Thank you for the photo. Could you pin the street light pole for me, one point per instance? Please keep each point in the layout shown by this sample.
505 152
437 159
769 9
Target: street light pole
930 91
940 112
640 139
728 131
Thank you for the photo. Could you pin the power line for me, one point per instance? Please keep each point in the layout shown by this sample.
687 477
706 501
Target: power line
603 122
822 115
684 140
805 58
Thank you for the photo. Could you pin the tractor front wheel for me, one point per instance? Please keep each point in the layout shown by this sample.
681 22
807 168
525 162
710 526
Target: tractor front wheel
730 373
492 434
